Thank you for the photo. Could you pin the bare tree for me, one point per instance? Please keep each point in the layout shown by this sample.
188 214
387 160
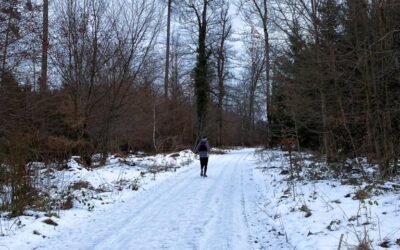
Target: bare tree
221 54
103 48
256 12
252 78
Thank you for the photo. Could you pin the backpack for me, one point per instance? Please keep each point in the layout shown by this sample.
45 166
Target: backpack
202 147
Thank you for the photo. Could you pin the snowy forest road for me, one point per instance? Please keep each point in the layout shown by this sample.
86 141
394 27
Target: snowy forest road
184 212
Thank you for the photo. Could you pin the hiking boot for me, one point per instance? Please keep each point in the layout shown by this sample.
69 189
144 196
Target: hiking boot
204 175
201 173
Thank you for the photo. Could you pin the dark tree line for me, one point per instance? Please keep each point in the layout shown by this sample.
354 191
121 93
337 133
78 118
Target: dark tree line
336 84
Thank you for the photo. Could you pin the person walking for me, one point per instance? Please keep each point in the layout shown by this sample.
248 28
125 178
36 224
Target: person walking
203 148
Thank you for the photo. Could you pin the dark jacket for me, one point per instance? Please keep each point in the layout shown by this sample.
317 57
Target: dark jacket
203 154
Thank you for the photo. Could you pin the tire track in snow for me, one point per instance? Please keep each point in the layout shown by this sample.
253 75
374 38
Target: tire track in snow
184 212
153 207
202 211
222 234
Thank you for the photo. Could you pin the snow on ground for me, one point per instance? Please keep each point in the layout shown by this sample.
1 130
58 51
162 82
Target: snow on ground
313 213
248 201
90 190
179 211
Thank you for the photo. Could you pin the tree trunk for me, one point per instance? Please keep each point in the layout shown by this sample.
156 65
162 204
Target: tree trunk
267 69
221 69
202 85
45 46
320 84
154 126
167 49
5 50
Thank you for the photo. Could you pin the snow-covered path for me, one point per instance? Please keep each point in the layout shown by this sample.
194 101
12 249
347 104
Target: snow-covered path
185 211
246 203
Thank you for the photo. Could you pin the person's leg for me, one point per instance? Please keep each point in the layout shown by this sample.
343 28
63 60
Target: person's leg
205 166
202 166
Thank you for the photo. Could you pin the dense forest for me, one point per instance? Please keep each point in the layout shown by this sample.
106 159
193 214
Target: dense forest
96 77
336 84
